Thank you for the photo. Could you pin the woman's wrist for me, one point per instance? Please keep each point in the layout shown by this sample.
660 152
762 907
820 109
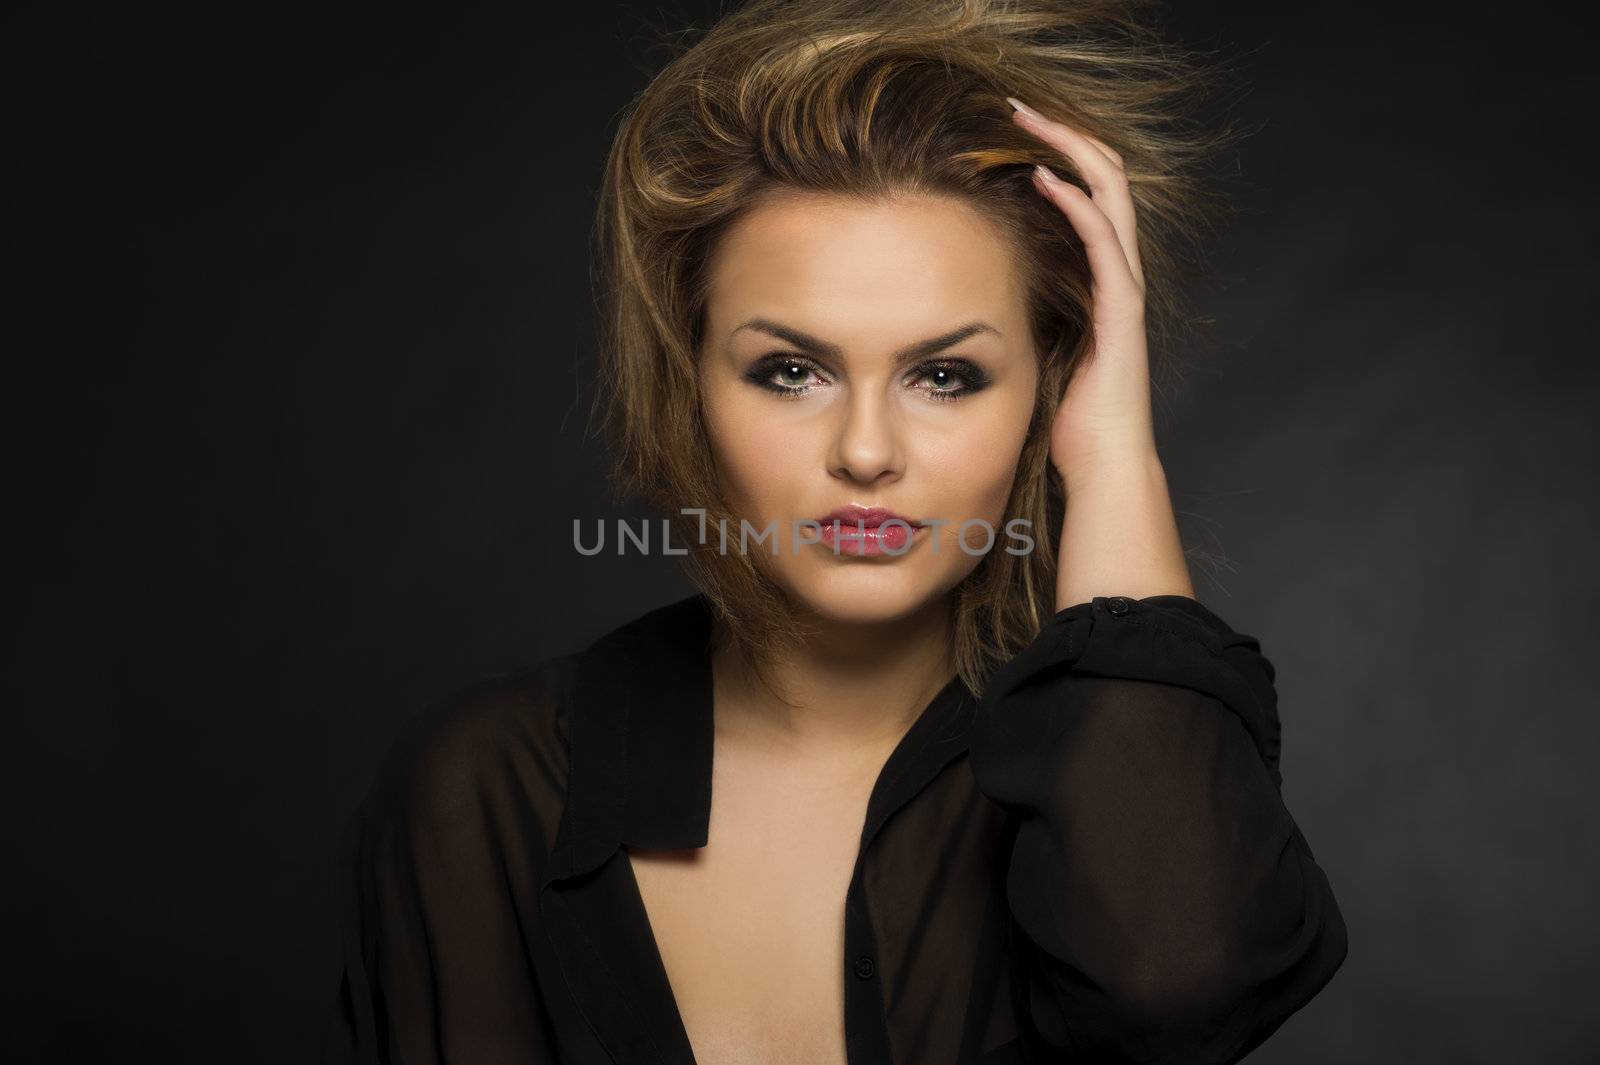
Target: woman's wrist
1119 536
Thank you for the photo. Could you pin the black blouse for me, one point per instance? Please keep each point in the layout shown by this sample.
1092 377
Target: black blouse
1092 863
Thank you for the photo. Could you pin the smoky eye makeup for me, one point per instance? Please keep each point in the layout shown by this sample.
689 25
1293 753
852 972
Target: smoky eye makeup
784 374
945 380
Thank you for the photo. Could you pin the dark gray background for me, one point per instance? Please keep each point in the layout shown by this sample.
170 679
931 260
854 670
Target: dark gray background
305 435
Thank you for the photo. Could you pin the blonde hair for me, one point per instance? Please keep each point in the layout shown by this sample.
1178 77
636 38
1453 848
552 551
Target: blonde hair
869 99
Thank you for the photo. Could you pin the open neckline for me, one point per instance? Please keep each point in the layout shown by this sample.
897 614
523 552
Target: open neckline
908 752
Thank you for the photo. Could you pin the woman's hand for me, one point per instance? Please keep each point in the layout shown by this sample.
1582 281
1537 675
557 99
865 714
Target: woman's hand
1104 418
1120 536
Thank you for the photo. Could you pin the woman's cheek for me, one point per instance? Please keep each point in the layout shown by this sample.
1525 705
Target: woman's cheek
976 470
754 461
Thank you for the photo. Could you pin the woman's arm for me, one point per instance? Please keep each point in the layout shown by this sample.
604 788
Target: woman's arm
436 885
1119 536
1169 908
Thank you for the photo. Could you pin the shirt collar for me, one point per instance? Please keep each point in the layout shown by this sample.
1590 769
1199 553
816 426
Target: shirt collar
640 734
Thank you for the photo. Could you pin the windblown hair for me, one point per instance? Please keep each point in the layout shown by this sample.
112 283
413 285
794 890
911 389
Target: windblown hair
872 99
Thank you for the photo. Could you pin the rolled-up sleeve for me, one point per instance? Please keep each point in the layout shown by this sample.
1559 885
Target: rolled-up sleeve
1165 905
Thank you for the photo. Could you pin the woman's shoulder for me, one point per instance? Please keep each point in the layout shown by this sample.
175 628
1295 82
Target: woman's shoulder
500 739
506 739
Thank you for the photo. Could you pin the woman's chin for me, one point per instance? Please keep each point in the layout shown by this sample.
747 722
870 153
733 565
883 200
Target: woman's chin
864 595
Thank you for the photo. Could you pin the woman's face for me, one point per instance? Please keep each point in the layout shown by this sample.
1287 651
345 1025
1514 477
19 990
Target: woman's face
819 393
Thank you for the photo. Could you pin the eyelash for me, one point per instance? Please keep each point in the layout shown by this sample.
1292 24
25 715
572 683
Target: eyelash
976 380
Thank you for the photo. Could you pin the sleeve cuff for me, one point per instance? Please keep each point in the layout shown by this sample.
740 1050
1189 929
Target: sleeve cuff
1167 639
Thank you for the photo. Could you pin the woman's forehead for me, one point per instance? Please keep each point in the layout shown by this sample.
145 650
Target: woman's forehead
859 266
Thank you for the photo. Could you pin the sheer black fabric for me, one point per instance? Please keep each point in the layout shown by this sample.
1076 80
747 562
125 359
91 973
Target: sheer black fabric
1091 864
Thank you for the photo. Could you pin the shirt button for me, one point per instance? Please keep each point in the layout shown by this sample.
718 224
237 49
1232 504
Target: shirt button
864 967
1118 605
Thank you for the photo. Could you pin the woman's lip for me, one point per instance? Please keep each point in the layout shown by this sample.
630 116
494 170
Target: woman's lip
865 517
870 540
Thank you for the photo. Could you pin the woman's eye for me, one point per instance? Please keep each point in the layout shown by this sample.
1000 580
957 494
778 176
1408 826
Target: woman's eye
792 376
786 376
951 381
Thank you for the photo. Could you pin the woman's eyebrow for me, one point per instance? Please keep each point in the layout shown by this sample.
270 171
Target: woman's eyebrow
815 346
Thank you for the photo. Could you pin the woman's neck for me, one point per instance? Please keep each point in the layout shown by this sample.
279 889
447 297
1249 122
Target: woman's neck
852 687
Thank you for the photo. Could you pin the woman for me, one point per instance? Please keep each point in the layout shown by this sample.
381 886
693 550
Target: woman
945 763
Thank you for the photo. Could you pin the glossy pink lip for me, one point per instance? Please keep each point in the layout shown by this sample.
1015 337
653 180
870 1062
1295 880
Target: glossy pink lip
858 530
867 517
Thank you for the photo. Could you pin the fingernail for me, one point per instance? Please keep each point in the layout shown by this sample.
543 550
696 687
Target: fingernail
1046 174
1025 109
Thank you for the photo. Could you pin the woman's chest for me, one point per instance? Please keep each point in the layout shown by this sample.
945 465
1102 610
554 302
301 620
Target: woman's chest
755 968
751 928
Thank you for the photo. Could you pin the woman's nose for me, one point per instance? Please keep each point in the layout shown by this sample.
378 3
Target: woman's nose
866 443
